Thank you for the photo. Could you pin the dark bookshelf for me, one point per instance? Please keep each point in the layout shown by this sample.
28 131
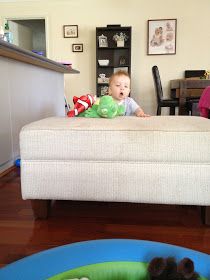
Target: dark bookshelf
119 57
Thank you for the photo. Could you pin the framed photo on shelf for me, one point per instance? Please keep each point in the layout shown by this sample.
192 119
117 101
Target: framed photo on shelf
104 90
120 69
102 41
122 60
77 47
70 31
161 36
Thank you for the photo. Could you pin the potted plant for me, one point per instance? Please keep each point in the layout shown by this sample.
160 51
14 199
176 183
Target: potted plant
120 39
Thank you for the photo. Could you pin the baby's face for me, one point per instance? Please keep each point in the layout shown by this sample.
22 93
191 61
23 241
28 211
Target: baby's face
119 88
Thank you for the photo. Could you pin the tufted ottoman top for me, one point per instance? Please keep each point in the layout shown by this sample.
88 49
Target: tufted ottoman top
158 138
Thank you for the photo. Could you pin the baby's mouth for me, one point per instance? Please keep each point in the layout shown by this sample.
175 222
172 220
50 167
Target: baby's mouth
121 93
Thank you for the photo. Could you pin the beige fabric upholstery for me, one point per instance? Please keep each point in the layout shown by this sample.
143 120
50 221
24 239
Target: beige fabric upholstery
162 159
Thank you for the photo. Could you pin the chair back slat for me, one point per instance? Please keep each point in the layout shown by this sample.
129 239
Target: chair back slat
157 83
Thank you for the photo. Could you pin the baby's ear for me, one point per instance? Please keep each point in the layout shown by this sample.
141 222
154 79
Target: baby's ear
186 268
156 266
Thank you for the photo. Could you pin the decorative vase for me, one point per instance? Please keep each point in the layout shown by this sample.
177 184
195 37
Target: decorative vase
120 43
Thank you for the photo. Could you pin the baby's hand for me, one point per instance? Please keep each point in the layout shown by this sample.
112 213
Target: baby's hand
140 113
144 115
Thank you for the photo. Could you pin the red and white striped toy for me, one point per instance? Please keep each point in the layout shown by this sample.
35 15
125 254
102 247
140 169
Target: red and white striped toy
81 104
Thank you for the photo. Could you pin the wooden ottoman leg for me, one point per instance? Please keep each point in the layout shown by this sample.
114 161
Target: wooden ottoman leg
40 208
205 215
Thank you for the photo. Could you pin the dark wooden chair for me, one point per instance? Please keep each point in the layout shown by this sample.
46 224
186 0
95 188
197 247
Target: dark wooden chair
162 102
191 105
169 102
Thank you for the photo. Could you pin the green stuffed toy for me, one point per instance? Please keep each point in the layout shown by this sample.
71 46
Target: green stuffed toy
107 108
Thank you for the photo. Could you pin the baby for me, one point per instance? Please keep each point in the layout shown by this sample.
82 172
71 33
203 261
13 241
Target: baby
119 89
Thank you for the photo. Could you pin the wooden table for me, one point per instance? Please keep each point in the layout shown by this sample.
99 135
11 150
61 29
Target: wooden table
183 88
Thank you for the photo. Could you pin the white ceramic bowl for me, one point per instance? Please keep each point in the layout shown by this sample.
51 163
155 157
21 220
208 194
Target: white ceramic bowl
103 62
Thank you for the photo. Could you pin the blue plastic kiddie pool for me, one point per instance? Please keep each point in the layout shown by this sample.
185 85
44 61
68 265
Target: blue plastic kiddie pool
101 259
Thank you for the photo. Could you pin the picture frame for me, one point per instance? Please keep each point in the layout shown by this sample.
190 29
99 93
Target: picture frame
161 39
122 60
102 41
121 69
70 31
77 47
104 90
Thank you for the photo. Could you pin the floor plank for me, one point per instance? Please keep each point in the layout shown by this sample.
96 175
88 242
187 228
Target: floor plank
71 221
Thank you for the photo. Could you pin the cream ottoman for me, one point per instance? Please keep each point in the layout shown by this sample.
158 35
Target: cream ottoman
161 159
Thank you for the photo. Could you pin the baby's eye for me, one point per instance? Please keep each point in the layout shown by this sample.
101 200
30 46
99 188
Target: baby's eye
126 86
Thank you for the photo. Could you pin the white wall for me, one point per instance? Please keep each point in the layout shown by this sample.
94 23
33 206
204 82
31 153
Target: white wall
193 38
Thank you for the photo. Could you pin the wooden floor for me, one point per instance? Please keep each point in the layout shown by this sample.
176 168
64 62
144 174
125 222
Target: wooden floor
21 235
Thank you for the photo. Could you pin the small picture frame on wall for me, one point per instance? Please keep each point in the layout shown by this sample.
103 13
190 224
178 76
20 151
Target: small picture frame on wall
70 31
161 36
77 47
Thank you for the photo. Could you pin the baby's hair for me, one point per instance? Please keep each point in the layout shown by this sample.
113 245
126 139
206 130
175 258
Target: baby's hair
118 74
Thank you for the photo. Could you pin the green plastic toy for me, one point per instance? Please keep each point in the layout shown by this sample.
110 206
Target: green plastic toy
107 108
